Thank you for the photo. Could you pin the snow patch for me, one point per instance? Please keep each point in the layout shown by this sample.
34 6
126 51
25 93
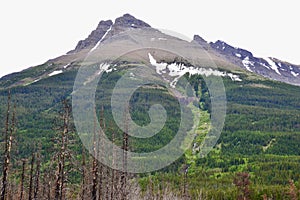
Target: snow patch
104 67
66 66
162 39
238 55
263 64
178 70
246 62
36 80
55 73
131 74
98 43
234 77
160 67
279 64
294 74
272 65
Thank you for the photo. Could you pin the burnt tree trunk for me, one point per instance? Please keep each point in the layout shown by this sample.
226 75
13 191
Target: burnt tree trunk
22 180
95 164
60 179
112 184
125 156
100 150
83 186
37 178
31 177
7 149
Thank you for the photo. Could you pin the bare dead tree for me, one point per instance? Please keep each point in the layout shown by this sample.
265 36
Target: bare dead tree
185 185
22 179
162 188
6 159
31 177
242 182
7 147
125 156
106 175
83 182
100 154
60 175
48 186
107 184
151 189
292 190
94 164
37 177
112 184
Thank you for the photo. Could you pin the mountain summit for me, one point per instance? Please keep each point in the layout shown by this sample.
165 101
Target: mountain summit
126 21
225 56
130 21
269 67
94 37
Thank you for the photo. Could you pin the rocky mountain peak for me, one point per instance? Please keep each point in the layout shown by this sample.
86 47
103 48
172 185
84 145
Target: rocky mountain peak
94 37
199 40
268 67
101 32
128 20
225 49
102 24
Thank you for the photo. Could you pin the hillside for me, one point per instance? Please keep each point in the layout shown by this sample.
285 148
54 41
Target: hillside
260 136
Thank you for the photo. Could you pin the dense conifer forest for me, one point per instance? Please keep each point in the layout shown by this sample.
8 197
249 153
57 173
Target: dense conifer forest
256 157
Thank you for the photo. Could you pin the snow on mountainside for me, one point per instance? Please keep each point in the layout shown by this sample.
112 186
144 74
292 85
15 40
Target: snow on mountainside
226 57
178 70
268 67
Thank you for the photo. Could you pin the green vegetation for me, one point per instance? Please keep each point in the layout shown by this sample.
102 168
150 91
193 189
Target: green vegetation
261 135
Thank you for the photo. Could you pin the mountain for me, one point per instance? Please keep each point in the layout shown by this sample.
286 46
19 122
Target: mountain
225 56
108 29
272 68
261 132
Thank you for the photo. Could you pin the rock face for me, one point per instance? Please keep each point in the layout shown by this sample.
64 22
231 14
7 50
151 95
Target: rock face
271 68
268 67
94 37
203 43
129 21
121 23
226 49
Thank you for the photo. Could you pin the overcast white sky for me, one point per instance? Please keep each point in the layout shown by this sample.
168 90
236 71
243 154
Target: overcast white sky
33 31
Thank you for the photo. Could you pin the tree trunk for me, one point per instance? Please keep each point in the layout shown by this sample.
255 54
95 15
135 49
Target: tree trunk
125 158
6 151
112 184
37 178
31 177
83 186
95 164
60 179
22 179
